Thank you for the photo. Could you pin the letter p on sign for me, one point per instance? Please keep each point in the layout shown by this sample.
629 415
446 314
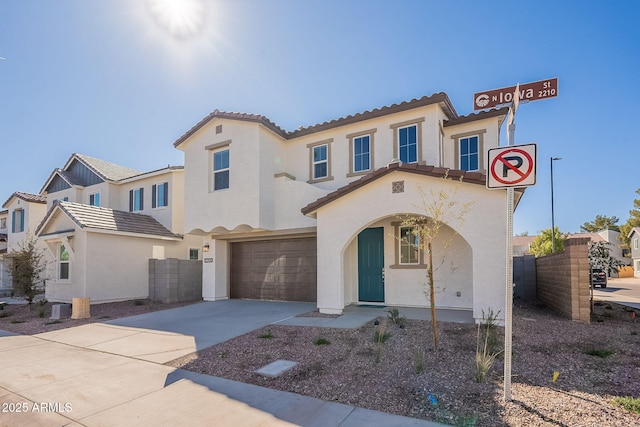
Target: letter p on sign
513 166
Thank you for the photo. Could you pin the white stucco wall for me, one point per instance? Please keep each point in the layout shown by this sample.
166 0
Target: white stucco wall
483 231
33 214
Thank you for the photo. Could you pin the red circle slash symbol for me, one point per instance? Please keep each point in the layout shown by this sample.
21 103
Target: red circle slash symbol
512 162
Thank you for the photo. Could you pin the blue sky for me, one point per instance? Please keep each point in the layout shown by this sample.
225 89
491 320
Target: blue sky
107 79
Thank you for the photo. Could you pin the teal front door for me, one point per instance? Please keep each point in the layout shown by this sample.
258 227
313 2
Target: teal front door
371 265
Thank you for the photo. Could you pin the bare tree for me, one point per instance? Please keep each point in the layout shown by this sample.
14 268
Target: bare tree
28 269
439 208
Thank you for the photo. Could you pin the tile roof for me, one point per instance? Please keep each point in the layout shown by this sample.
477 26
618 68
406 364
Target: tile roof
27 197
99 218
469 177
106 170
437 98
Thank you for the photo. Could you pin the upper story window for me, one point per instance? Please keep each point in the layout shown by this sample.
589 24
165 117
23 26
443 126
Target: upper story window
636 243
469 148
17 221
136 200
3 222
221 170
361 152
469 153
407 141
94 199
408 144
160 195
320 161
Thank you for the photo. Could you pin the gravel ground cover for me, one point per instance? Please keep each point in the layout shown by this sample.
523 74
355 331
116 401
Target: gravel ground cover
405 376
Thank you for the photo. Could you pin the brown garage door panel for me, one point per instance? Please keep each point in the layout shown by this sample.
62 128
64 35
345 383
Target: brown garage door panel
283 270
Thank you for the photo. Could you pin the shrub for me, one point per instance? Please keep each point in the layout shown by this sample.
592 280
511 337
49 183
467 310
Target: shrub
266 336
598 352
394 315
5 314
322 341
631 404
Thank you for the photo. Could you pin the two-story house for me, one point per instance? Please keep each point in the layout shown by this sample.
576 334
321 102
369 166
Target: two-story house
5 281
104 222
315 214
634 244
23 213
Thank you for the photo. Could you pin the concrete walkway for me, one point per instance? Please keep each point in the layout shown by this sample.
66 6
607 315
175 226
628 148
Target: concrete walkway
108 374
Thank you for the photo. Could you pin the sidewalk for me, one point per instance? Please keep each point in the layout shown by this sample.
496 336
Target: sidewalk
110 375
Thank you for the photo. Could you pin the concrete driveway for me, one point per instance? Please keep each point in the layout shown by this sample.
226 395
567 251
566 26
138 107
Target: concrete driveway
112 374
625 291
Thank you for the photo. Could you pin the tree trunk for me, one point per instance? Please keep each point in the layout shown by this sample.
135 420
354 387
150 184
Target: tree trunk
432 293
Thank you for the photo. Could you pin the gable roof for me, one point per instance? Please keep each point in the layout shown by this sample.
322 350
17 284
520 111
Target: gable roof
468 177
27 197
99 219
440 98
634 230
104 170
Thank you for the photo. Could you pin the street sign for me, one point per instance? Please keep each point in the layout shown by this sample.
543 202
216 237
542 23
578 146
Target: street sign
512 166
528 92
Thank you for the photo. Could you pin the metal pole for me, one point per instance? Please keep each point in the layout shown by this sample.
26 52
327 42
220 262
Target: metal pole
553 224
509 283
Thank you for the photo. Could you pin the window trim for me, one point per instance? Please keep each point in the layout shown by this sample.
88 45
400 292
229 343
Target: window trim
457 137
3 222
311 147
397 226
636 243
155 193
352 138
396 138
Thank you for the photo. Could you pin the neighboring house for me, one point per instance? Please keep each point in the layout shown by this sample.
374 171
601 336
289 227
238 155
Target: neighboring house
105 222
634 243
314 214
522 245
5 279
24 211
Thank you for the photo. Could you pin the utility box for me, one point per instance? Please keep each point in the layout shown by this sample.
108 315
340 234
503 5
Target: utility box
60 311
81 308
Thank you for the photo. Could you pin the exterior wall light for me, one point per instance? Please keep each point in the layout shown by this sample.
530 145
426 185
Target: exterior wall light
205 248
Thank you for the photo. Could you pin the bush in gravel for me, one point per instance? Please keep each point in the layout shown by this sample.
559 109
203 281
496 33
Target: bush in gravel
486 356
5 314
394 315
322 341
380 337
601 353
266 336
631 404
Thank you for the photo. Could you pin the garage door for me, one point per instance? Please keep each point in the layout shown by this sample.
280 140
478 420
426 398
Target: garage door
282 270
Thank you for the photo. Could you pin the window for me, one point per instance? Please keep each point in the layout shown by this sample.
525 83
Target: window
3 222
636 243
320 161
469 150
194 254
409 246
408 144
407 141
469 155
136 198
94 199
221 170
361 154
160 195
63 263
17 221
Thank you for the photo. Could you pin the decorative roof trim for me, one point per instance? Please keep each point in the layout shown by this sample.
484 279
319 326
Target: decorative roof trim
467 177
437 98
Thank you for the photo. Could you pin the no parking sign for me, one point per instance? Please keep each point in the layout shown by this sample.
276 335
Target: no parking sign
512 166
